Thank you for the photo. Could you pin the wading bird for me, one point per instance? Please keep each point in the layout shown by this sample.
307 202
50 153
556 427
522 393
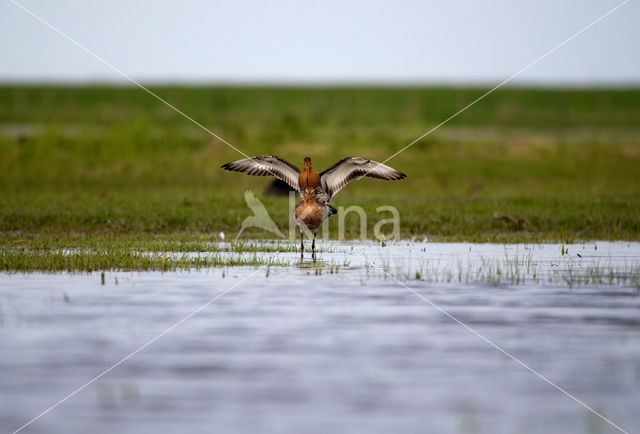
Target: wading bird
316 189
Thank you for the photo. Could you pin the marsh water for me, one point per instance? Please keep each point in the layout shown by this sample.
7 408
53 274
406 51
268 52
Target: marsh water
399 338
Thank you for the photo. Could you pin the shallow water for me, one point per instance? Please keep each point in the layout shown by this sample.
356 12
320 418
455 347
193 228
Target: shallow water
299 349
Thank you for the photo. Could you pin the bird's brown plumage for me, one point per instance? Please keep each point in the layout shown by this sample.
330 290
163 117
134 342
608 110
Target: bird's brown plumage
315 188
308 178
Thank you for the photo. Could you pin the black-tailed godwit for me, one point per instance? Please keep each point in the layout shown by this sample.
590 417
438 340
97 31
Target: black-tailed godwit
316 189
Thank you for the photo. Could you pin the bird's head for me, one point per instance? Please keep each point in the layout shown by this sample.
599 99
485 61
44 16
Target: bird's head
307 163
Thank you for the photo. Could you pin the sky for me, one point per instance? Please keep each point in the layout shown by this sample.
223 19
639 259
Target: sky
389 42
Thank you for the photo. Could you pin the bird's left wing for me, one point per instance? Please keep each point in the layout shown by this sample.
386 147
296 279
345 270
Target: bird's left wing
267 165
346 170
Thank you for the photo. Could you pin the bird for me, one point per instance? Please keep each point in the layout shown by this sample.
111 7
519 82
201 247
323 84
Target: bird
260 219
316 189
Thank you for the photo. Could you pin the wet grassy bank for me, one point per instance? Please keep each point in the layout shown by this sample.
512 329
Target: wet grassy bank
100 166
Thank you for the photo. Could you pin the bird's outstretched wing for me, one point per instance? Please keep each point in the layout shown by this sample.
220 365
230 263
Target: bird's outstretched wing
346 170
267 165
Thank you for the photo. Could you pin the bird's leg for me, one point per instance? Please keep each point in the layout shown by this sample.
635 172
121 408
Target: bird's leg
301 245
313 247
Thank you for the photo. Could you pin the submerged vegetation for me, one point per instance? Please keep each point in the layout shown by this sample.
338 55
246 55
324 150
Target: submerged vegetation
178 242
112 170
365 261
517 271
92 252
123 260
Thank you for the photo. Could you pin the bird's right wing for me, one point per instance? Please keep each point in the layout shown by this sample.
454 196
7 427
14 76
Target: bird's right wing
346 170
267 165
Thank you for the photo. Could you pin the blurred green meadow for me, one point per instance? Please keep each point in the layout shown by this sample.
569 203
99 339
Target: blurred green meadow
99 162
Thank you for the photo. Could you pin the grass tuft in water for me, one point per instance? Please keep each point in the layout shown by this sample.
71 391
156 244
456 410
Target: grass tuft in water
29 260
516 271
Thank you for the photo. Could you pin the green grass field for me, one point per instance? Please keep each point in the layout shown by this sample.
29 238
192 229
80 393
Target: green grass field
97 163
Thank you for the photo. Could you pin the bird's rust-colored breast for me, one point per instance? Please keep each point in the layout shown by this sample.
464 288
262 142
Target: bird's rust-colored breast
308 179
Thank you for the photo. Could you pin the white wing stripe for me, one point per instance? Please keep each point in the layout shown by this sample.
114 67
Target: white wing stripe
346 170
267 165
